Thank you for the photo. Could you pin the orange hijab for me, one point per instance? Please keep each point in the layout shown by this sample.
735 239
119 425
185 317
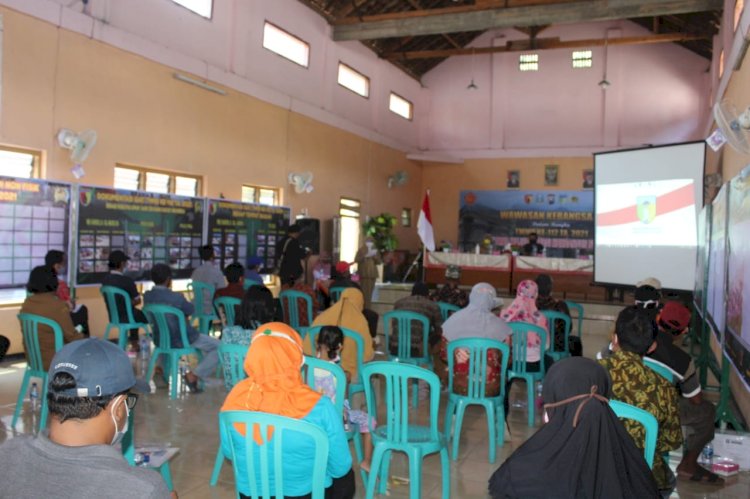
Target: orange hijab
274 383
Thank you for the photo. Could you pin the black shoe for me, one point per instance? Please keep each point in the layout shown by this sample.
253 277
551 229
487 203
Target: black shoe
192 385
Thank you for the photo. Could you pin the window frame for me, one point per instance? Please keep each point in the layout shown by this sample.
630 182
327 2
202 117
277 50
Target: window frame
256 197
210 15
406 216
531 66
36 167
266 22
366 78
411 106
171 183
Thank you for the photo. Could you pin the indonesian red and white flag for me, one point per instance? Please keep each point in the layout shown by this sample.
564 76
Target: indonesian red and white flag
424 225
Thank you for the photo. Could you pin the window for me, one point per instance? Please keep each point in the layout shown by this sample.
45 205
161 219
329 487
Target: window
201 7
401 106
19 163
143 179
528 62
353 80
582 59
406 217
260 195
286 45
349 230
738 6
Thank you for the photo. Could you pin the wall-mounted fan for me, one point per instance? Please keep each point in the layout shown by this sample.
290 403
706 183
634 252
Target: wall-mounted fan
399 178
80 145
302 182
733 125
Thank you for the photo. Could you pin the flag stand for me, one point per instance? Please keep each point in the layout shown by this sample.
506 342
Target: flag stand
415 264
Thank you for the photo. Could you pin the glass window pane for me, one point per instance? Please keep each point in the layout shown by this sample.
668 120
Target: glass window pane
157 182
286 45
581 59
349 237
248 194
344 212
400 106
406 217
185 186
127 178
16 164
267 196
353 80
200 7
352 203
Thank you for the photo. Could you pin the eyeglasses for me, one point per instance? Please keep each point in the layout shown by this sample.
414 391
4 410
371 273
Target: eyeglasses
130 400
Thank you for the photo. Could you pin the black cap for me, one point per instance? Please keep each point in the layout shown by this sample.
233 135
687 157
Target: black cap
116 258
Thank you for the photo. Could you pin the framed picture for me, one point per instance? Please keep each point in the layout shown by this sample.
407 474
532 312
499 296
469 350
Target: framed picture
514 179
550 174
588 179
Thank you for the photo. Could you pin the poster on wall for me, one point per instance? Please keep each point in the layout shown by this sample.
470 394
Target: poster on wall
701 264
240 232
716 286
737 341
34 218
563 220
149 227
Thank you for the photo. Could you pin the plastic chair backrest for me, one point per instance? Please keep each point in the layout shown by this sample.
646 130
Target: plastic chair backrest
312 333
30 328
623 410
203 293
398 378
478 349
519 343
552 319
249 282
266 460
111 296
234 357
290 307
227 304
659 369
308 374
579 312
447 309
404 320
335 293
157 315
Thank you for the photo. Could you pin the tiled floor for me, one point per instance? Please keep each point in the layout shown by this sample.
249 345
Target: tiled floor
190 423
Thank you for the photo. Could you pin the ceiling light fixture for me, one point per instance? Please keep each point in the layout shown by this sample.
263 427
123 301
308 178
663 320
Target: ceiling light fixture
604 84
472 85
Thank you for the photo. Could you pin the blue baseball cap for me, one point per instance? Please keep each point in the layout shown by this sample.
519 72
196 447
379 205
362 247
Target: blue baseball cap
99 368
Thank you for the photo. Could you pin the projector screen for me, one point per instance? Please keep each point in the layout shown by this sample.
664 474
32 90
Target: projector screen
646 203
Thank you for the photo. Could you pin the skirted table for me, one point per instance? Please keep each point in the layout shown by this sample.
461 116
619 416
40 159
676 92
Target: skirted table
492 269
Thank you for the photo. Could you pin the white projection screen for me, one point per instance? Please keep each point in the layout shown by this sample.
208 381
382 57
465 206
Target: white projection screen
646 203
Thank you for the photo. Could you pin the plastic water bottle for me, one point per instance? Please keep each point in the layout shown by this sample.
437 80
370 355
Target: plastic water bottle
539 401
183 370
707 455
145 347
34 396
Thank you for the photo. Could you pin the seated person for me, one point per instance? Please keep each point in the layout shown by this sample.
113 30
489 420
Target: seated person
450 292
523 309
55 259
635 384
43 301
251 272
274 385
4 346
582 451
208 273
420 303
545 301
162 294
533 247
298 285
118 262
235 274
342 278
89 402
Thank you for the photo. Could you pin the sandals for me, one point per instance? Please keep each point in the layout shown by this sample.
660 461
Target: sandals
702 475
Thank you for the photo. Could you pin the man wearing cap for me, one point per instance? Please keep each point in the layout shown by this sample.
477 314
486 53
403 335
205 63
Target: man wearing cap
116 277
290 255
90 399
343 277
450 292
251 272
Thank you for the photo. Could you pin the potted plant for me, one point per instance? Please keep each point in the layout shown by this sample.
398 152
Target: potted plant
380 229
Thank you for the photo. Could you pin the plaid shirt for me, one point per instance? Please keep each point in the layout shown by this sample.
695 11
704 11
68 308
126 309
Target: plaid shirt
454 296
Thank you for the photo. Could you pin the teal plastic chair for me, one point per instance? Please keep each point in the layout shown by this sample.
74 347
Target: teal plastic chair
404 320
355 385
478 350
35 367
226 305
232 358
265 461
579 313
447 309
335 293
202 295
290 308
552 319
249 282
157 317
112 296
395 433
521 330
623 410
128 451
660 369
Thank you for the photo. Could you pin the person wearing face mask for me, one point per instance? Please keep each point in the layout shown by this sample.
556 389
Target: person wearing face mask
367 260
90 399
533 247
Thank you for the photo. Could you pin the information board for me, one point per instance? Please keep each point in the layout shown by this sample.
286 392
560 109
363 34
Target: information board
34 218
737 341
239 231
717 261
702 259
150 228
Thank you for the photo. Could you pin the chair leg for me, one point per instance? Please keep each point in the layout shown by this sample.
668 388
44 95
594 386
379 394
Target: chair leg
21 396
384 469
531 399
107 330
152 364
122 339
460 409
415 473
218 463
500 423
44 411
491 429
448 423
377 458
166 474
446 472
174 374
357 438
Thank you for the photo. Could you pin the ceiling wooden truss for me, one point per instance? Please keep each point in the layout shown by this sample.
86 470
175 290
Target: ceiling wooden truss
417 35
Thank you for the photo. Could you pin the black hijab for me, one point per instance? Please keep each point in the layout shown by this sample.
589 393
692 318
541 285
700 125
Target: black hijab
583 451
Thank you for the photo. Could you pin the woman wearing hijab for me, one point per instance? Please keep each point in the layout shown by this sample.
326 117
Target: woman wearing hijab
475 321
523 309
347 312
274 385
583 451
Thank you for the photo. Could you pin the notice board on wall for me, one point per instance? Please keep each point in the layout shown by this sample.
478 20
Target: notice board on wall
34 218
240 231
149 227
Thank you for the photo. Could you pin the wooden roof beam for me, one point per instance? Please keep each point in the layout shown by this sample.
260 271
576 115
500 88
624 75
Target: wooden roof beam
428 22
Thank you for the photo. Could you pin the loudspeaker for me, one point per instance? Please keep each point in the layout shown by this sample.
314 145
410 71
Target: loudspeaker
309 236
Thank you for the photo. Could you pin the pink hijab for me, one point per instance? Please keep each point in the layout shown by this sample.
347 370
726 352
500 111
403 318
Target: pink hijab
523 308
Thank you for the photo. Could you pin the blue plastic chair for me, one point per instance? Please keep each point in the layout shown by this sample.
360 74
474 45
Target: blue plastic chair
202 295
157 316
478 349
290 308
623 410
355 385
35 366
226 305
112 295
128 451
660 369
447 309
395 433
579 312
404 321
335 293
268 462
518 368
552 319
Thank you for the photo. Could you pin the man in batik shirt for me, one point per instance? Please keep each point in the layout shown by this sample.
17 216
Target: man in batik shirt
450 292
636 384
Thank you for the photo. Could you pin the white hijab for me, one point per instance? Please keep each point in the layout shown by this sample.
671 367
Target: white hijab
477 319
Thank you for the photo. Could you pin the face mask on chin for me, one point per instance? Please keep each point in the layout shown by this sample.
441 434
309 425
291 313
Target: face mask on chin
118 436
